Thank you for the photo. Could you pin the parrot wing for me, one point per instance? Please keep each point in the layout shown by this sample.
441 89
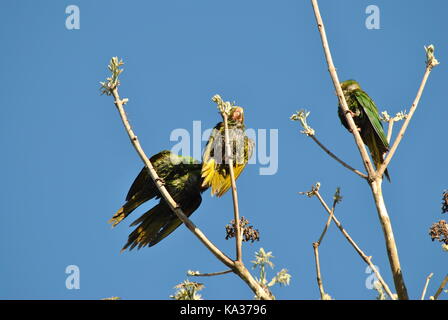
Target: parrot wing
215 172
371 111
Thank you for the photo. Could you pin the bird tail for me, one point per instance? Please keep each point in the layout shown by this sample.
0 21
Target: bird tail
153 226
377 156
386 173
126 209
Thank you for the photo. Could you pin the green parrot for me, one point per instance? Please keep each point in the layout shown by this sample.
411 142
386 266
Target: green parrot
185 180
215 170
366 117
182 178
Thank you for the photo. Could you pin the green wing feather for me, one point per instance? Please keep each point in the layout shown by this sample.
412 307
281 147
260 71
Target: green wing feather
377 143
372 113
182 178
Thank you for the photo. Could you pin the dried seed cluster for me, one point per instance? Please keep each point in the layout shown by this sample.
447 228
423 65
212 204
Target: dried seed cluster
249 232
439 231
445 202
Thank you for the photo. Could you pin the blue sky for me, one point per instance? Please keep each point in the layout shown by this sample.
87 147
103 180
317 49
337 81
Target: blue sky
67 163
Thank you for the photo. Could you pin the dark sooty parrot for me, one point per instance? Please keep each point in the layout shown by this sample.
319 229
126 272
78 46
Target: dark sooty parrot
182 178
185 180
366 117
215 170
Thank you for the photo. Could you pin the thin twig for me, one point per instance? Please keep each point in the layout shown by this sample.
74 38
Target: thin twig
426 285
442 285
229 161
316 251
331 154
390 129
318 275
400 135
236 211
327 224
211 274
366 258
302 116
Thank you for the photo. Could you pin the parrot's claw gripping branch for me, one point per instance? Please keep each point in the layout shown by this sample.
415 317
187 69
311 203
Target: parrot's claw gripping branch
110 88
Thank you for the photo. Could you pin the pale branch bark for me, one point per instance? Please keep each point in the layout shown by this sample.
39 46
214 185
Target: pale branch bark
400 135
224 109
374 178
367 259
316 252
390 129
426 285
331 154
236 211
334 76
385 117
330 217
391 246
210 274
327 224
237 267
318 274
442 285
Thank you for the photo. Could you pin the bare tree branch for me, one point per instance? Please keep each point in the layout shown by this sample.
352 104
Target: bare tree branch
224 108
374 178
334 76
302 116
211 274
391 246
442 285
426 285
315 192
391 120
110 87
318 275
390 129
431 62
316 245
331 154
